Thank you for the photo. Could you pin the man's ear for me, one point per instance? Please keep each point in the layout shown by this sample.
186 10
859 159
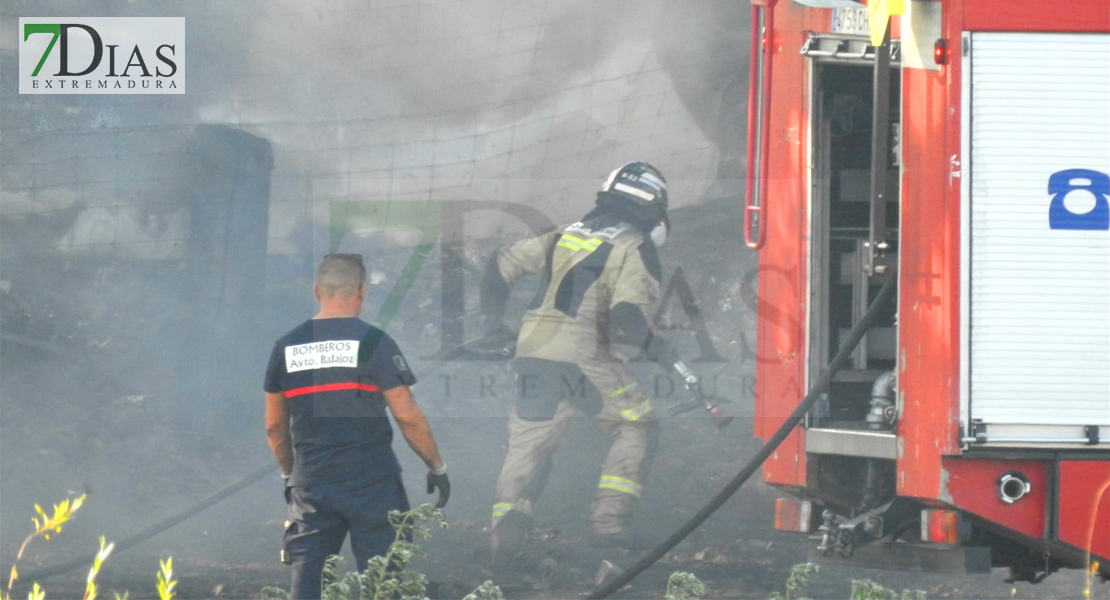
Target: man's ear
316 292
362 292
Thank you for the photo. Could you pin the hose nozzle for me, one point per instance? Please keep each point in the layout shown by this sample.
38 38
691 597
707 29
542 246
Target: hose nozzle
718 413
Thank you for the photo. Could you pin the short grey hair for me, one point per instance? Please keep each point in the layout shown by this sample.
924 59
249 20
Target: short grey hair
340 274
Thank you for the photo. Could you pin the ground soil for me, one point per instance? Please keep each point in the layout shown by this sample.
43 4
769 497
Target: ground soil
102 401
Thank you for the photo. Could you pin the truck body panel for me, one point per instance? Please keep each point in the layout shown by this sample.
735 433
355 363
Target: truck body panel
1039 421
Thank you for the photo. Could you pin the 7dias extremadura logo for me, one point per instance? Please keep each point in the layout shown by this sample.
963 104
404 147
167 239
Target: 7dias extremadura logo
101 55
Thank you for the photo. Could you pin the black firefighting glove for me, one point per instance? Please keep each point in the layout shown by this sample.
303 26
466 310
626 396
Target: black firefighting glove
437 480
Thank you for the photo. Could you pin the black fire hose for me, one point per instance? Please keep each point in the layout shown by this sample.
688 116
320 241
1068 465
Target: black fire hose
772 444
155 529
807 402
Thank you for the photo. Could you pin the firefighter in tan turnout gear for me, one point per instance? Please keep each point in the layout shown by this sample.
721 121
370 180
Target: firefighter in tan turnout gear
600 276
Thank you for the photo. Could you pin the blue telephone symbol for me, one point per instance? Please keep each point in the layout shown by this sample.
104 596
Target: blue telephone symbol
1096 183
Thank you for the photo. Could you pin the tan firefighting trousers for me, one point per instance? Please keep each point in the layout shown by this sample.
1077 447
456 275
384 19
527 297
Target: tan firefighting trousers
626 416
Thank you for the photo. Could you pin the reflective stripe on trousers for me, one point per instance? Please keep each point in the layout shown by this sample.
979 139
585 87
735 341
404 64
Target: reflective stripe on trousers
620 484
636 412
521 506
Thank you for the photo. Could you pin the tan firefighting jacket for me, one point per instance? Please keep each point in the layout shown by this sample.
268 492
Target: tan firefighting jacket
591 271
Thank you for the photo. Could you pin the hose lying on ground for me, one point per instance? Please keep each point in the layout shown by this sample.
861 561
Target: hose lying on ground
155 529
645 562
772 444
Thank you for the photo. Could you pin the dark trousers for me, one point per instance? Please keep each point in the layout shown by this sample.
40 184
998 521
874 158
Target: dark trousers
321 515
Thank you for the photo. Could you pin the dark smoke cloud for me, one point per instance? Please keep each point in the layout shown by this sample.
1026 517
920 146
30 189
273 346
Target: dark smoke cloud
526 101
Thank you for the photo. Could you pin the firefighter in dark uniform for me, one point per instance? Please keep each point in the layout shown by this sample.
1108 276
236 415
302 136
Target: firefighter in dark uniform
600 277
328 385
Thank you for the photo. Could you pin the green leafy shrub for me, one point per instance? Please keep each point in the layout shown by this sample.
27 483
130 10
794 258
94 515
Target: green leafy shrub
802 576
486 591
388 577
797 584
865 589
684 586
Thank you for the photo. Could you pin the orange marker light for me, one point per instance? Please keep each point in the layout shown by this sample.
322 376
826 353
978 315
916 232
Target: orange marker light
940 526
793 515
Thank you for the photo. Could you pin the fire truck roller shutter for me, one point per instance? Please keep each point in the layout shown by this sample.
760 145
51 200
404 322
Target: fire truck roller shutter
1038 202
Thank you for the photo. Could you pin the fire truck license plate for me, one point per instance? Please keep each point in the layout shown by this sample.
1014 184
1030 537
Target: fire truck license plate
852 21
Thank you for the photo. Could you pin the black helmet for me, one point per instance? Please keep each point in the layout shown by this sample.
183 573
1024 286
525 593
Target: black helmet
637 189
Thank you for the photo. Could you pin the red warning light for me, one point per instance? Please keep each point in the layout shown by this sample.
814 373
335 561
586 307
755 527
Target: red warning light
940 51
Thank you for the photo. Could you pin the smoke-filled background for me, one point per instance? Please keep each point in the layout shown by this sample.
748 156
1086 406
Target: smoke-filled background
153 247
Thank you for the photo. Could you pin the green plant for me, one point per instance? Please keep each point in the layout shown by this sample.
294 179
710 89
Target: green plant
486 591
45 525
274 593
388 576
63 512
166 582
98 561
385 577
865 589
684 586
798 582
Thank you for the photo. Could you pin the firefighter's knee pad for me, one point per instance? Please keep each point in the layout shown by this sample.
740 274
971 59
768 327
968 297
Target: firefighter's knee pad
540 407
589 404
542 384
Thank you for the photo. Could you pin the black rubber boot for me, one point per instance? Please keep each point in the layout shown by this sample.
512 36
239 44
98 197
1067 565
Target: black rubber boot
507 543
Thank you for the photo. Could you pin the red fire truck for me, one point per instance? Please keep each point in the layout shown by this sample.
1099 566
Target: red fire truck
962 148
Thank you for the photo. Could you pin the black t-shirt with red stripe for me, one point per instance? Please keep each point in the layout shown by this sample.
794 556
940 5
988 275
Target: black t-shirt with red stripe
332 373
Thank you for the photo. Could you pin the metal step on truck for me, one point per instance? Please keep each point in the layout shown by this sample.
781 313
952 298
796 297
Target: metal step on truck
961 147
